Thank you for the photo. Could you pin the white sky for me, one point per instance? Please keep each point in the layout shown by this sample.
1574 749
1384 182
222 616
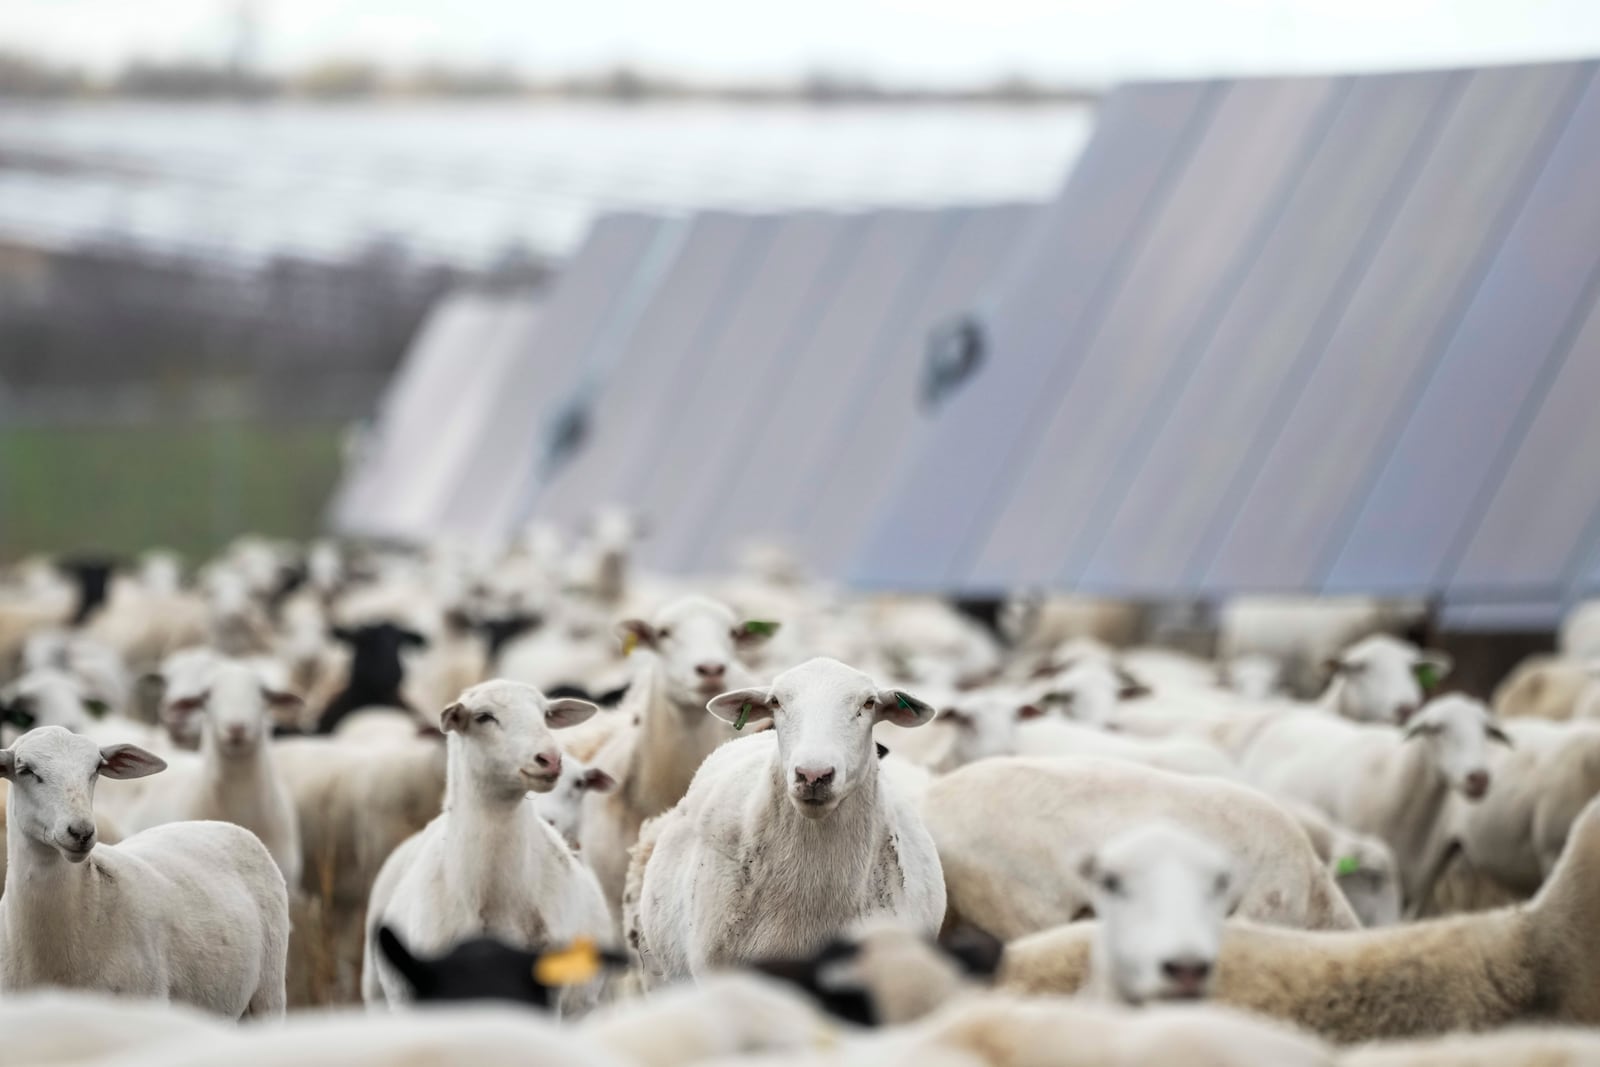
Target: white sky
931 41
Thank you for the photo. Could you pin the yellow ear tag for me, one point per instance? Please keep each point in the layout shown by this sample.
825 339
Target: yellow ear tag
579 962
630 641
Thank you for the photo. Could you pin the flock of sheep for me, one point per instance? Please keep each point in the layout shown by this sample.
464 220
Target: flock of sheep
530 807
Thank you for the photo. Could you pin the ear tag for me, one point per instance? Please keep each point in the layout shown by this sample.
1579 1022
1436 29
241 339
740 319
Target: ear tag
899 698
579 962
1427 676
630 641
744 716
1347 865
97 709
760 627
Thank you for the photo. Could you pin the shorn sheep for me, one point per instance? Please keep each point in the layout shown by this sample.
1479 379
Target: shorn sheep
788 837
1010 831
489 863
193 912
1530 963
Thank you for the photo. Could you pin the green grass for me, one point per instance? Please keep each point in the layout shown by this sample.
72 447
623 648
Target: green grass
191 487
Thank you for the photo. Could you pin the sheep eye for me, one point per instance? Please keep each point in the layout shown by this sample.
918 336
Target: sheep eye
663 633
30 772
483 717
1112 884
869 703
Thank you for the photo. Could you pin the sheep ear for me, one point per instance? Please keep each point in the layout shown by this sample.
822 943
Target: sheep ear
129 761
753 632
567 711
977 950
1421 729
741 707
902 709
280 698
413 639
8 762
186 706
454 718
1030 711
634 633
413 970
597 781
1496 734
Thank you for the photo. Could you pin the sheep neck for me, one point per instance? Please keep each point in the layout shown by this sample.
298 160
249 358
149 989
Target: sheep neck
231 778
673 741
823 861
1411 827
47 901
489 847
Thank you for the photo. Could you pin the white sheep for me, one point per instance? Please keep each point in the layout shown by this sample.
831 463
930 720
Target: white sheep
58 1027
1304 633
1517 1046
489 864
1523 964
1161 894
687 654
235 779
1181 755
194 912
1382 679
562 807
1009 832
970 725
1381 780
788 837
1362 865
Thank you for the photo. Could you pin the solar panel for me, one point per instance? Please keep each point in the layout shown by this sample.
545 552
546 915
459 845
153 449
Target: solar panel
1273 533
775 434
683 311
885 419
1481 395
693 425
1142 139
1127 368
1378 200
509 432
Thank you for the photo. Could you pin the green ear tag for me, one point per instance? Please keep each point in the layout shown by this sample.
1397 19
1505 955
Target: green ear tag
1427 676
1346 865
760 627
744 716
899 698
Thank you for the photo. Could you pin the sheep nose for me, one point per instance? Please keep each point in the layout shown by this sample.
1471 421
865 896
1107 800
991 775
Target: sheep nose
710 671
81 832
236 733
1477 784
813 775
1189 975
1403 713
550 761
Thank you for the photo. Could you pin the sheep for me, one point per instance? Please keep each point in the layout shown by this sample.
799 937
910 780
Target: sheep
1514 835
51 697
98 667
970 726
235 780
1305 633
689 652
377 670
1362 865
1161 894
563 805
194 912
488 863
69 1027
1528 963
1009 871
1382 679
1181 755
486 968
107 832
1544 687
719 876
1252 675
1382 781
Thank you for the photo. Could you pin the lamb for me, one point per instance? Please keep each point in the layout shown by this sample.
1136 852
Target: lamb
488 863
1528 963
1161 894
563 805
235 780
689 653
1010 873
1380 780
193 912
717 877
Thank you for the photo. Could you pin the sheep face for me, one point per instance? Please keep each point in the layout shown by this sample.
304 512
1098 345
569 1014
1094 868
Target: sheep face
1089 692
562 807
501 730
698 642
1382 679
1161 895
48 697
823 713
52 772
1457 732
237 707
985 721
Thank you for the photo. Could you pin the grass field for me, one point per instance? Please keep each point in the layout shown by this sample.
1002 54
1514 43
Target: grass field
192 487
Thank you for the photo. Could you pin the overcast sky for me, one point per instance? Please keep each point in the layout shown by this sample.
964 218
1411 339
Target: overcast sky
943 41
